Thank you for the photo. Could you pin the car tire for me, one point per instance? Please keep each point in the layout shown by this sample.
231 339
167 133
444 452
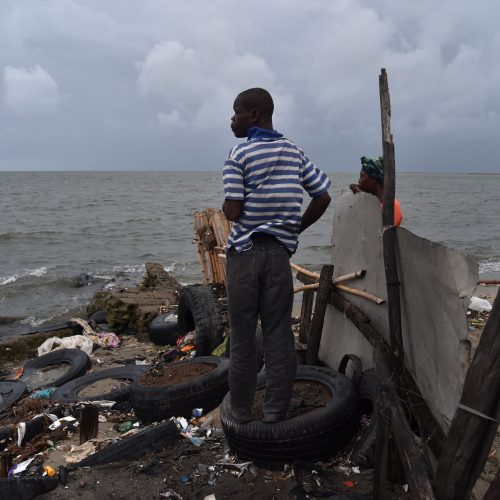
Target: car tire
78 361
199 310
10 392
312 436
68 393
155 403
149 440
163 332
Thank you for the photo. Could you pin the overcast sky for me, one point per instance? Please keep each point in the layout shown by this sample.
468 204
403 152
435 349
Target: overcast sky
149 84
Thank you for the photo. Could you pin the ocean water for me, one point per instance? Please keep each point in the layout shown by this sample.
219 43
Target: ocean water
56 225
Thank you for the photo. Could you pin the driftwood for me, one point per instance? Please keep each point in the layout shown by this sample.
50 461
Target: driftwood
476 419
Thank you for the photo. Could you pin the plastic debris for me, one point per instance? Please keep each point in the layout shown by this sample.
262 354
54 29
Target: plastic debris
184 479
210 497
107 340
74 342
125 427
170 495
197 412
50 471
479 305
349 484
241 467
20 467
61 421
43 393
196 440
187 348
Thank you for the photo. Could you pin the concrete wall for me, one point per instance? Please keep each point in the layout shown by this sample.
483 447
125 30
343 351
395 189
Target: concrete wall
436 285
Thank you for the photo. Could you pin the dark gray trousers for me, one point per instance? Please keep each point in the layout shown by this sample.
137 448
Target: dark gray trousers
259 284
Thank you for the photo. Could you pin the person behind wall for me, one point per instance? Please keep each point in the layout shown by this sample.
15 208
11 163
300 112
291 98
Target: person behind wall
371 180
264 179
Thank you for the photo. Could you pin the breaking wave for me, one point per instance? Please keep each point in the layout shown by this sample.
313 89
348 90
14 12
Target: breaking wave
40 271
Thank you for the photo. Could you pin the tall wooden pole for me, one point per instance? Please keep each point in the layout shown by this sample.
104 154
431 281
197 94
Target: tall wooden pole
389 239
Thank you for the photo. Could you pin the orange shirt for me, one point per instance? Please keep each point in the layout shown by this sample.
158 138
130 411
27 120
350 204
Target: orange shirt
398 215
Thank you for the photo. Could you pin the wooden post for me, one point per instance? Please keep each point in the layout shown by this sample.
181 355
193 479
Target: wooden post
389 240
476 419
325 287
89 423
5 463
305 315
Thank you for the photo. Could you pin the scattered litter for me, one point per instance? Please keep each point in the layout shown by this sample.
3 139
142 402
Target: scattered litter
102 418
43 393
124 427
180 422
197 441
49 471
356 470
21 431
405 487
61 421
349 484
184 479
241 467
210 497
197 412
479 305
20 467
141 362
106 340
170 495
74 342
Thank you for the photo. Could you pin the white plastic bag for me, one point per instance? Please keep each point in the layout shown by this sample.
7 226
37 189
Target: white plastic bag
74 342
479 305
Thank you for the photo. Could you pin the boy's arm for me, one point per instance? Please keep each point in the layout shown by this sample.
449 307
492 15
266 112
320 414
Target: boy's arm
232 209
314 210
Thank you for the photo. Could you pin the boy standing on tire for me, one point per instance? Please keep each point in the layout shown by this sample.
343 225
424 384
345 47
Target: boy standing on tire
264 179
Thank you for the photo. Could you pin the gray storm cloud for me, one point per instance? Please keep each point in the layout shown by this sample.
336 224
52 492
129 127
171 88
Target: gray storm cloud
150 85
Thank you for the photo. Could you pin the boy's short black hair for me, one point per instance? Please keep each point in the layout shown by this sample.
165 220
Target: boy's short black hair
258 98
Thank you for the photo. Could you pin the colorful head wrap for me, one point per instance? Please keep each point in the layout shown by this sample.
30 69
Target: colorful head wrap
373 167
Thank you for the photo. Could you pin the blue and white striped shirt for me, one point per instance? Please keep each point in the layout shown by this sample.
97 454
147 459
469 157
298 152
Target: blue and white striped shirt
268 174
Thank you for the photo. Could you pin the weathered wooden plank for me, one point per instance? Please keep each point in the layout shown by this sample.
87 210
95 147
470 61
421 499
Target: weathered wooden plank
313 342
389 239
470 435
